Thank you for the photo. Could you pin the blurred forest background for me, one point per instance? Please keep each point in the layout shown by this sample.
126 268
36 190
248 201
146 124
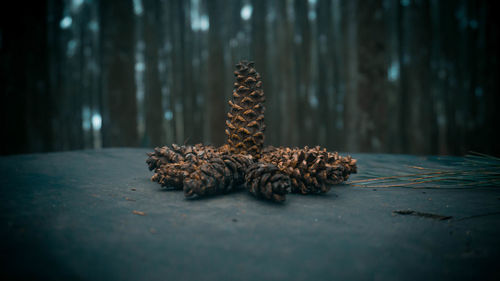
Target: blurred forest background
396 76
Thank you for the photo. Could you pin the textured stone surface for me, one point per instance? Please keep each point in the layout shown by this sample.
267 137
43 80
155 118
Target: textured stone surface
94 215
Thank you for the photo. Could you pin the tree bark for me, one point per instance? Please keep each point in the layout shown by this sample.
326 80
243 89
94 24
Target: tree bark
216 109
153 101
119 118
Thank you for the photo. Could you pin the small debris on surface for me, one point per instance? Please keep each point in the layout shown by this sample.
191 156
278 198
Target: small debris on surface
138 213
129 199
374 189
152 230
235 220
133 189
420 214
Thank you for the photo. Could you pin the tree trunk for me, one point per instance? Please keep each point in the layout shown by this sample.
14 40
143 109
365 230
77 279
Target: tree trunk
216 109
153 103
119 118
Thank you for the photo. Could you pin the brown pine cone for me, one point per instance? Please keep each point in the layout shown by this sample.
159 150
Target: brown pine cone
245 119
266 181
173 174
220 174
173 165
311 170
176 154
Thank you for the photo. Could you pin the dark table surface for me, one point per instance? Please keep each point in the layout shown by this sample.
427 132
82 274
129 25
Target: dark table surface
70 216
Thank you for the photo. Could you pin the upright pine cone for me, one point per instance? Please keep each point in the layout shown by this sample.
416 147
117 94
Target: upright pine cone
245 120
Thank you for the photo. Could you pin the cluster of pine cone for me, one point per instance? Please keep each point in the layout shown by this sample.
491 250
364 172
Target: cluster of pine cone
243 162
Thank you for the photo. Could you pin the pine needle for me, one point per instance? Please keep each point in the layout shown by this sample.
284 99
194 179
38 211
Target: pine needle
474 170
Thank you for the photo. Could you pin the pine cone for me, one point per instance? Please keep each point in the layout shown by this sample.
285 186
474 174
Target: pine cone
173 165
173 174
245 120
220 174
176 154
311 170
266 181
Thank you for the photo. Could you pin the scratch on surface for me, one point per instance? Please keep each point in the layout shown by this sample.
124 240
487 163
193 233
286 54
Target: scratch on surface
421 214
479 216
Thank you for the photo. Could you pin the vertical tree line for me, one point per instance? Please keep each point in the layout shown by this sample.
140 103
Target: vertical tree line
397 76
